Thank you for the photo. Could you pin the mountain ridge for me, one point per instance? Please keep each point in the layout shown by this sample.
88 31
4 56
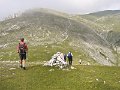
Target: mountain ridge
104 13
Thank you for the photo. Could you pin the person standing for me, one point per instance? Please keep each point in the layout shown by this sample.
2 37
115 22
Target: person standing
22 49
70 58
65 57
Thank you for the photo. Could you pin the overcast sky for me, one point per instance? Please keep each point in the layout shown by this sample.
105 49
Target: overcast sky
8 7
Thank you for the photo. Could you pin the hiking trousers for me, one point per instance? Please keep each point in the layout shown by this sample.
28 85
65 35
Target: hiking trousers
70 61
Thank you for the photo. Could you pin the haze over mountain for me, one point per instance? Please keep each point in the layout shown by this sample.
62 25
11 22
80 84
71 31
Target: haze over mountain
68 6
93 37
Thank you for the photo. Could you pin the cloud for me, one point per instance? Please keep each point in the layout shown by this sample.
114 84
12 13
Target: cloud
86 6
70 6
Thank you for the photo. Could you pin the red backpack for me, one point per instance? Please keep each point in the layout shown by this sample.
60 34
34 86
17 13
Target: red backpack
22 48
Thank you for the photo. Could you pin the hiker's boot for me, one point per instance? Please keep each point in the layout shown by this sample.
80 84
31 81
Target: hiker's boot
24 68
21 66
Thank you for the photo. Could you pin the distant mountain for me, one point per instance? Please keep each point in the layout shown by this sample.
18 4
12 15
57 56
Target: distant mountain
105 13
100 14
41 27
106 23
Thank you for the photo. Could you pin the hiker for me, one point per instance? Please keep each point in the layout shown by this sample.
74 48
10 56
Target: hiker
22 49
80 61
70 55
65 57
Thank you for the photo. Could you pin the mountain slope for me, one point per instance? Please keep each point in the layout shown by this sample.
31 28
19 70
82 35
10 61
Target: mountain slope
43 28
106 23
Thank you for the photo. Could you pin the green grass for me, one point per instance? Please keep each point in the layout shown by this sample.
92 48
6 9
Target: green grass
37 77
82 78
45 52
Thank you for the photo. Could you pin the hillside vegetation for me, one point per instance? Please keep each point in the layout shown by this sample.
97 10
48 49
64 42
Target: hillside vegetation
93 38
37 77
44 28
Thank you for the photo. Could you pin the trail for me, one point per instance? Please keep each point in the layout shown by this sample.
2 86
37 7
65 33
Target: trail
9 64
67 28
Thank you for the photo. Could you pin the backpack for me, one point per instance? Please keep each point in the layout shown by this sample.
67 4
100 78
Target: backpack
22 48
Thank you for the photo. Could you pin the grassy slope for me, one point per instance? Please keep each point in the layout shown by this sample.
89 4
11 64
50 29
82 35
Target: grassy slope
43 29
102 19
112 22
105 22
82 78
45 52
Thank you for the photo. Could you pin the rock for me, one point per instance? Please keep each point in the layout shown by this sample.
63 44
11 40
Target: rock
73 67
12 68
51 70
57 60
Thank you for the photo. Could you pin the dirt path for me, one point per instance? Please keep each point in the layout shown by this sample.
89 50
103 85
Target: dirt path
15 64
